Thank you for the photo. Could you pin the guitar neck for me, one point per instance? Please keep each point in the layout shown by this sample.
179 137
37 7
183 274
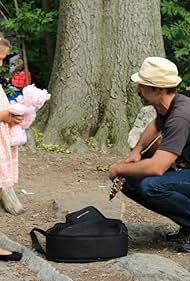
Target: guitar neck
147 152
155 143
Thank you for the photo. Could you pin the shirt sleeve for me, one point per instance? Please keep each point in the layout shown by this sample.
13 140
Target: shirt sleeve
175 135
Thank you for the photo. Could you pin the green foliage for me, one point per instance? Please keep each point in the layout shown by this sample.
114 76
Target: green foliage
92 143
176 34
109 143
4 78
38 137
54 148
101 168
33 24
4 73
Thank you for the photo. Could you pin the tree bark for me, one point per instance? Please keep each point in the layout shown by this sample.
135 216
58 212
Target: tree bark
100 44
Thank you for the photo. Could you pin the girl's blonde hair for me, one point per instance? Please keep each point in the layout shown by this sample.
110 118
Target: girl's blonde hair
4 43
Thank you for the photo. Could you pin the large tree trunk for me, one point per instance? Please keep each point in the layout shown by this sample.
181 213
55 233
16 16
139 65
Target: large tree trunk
100 43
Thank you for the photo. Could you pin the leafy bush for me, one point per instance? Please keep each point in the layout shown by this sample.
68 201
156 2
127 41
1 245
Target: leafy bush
176 34
32 24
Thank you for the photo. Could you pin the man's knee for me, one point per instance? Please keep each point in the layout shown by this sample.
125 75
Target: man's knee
149 188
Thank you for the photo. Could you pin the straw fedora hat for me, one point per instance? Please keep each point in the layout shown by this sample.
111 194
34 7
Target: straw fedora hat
157 72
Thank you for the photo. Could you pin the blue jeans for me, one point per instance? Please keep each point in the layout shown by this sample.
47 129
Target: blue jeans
168 195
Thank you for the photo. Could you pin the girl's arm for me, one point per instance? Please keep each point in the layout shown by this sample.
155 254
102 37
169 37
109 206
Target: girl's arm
7 117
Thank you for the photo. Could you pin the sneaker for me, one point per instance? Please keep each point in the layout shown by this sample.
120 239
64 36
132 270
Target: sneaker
183 248
183 235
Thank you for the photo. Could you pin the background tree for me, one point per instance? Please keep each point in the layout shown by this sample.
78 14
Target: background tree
100 44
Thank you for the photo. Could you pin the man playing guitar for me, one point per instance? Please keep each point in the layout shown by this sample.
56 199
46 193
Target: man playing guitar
161 182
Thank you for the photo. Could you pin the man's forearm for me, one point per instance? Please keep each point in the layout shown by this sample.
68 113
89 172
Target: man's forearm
141 168
148 135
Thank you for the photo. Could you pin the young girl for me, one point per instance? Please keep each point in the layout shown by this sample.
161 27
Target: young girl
8 154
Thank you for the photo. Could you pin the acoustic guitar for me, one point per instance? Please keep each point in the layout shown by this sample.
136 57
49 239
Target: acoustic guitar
148 152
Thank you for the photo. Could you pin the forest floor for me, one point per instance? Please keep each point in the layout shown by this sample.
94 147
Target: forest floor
73 180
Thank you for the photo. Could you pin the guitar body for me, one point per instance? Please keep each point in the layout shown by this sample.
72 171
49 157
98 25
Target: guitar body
149 152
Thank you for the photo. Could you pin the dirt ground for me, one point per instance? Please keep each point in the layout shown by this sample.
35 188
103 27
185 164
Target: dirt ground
73 181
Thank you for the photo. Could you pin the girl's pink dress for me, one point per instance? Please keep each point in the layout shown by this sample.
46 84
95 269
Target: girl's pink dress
8 154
